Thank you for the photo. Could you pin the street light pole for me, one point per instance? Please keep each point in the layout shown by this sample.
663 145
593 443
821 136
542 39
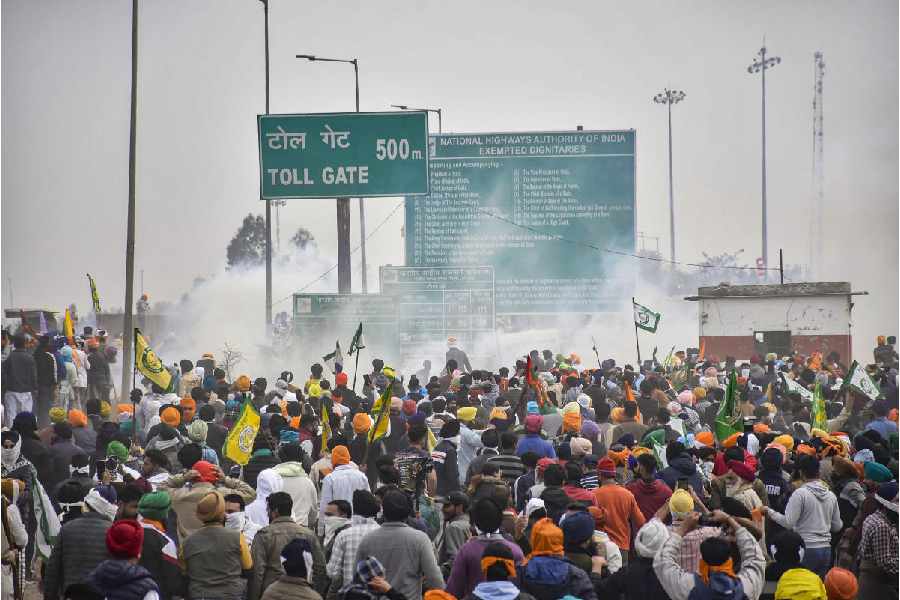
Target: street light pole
343 205
268 202
670 97
128 333
436 111
760 65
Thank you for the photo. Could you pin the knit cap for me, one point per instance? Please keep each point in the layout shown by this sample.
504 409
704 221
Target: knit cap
124 539
841 584
577 527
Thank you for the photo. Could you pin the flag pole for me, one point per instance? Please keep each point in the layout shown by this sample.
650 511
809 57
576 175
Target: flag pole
134 425
637 341
355 370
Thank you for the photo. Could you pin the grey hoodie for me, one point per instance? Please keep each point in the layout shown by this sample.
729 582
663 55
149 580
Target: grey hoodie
302 491
812 512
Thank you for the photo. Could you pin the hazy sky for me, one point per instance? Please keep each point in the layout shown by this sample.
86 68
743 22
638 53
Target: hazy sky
491 66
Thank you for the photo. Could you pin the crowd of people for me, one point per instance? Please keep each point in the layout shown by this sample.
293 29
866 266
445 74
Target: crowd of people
699 478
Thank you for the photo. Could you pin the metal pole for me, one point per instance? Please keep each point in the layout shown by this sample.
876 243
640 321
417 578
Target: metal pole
637 341
440 125
765 239
671 197
268 202
128 333
362 208
343 234
781 265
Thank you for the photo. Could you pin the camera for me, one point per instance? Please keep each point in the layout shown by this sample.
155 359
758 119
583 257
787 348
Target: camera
707 521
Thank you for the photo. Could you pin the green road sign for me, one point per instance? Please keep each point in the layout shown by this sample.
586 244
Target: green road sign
322 318
331 155
505 199
434 304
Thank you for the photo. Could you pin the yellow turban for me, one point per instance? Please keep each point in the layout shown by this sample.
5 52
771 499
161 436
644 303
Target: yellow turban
466 413
786 441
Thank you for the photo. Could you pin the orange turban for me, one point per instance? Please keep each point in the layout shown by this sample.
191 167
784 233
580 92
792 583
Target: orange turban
77 418
546 539
617 415
804 449
706 438
572 422
361 423
170 416
438 595
620 458
761 428
243 383
340 456
731 440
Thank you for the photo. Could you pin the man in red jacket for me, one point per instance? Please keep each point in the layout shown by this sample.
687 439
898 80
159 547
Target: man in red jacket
649 492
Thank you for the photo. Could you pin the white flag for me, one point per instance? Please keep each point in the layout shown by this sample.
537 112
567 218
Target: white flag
860 381
335 358
795 388
645 318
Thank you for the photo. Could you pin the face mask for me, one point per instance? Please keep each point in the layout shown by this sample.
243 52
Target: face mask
234 520
745 372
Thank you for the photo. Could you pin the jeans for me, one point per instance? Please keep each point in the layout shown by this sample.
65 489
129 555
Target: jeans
817 560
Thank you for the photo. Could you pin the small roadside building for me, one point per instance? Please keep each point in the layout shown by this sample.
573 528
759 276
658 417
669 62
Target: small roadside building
743 320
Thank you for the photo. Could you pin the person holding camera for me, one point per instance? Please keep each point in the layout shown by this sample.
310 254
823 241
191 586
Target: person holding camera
716 577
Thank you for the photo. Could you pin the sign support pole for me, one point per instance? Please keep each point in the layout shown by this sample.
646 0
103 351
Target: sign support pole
343 235
637 341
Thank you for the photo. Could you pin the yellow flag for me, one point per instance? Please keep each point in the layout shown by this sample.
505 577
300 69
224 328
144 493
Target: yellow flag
326 427
239 443
382 408
69 328
148 362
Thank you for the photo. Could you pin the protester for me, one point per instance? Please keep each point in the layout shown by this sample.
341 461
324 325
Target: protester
716 577
265 549
813 513
546 574
121 576
342 563
406 553
294 584
214 556
455 531
486 516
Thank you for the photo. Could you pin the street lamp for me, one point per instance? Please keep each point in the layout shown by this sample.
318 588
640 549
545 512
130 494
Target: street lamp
343 204
670 97
760 65
265 4
436 111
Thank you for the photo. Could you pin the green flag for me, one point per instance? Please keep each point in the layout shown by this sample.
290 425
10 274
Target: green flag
819 419
645 318
860 381
356 344
729 415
